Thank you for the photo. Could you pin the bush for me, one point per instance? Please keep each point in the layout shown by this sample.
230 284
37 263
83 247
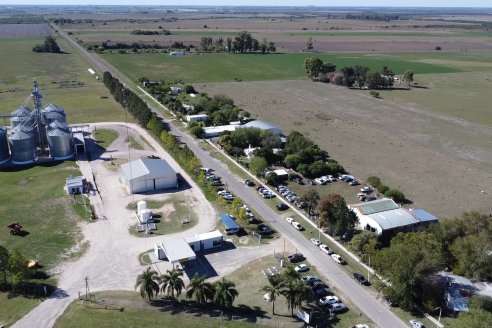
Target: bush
197 131
375 94
272 179
395 194
374 181
382 188
189 89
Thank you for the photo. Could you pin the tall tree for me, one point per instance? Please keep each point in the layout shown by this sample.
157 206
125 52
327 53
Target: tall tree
224 293
334 214
313 66
408 77
199 289
309 44
147 283
311 198
172 282
273 289
4 259
257 165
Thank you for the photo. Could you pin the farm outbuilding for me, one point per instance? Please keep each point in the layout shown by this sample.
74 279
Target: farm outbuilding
181 250
146 174
74 185
263 125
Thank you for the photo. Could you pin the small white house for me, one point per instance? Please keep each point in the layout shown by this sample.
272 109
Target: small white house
74 185
179 250
188 107
175 90
196 118
176 53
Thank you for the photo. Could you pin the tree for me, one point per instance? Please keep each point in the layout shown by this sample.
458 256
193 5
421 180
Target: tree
199 289
257 165
407 263
364 243
311 198
272 179
49 45
309 44
295 293
313 66
328 68
408 77
273 289
335 215
197 131
147 281
171 282
4 259
292 160
224 293
395 194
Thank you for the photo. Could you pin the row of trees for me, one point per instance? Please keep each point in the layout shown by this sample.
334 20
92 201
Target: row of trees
151 32
393 193
243 42
222 293
461 245
13 268
49 45
352 76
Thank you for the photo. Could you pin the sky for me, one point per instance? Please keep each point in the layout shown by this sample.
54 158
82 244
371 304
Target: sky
344 3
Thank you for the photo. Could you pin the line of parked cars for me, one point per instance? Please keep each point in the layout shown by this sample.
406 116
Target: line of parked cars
295 224
265 192
291 196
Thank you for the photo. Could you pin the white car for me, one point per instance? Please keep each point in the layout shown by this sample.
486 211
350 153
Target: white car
360 325
315 241
328 300
366 189
267 297
337 258
416 324
326 249
297 225
290 220
301 268
337 307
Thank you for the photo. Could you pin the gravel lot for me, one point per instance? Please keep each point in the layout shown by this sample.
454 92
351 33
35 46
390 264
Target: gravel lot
111 262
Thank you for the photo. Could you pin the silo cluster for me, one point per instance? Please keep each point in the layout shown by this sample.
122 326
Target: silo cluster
36 132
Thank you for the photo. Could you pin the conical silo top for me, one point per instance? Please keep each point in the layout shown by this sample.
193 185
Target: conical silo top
53 108
21 132
21 111
58 125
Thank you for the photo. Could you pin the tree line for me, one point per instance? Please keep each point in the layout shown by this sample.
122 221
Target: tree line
221 293
353 76
243 42
151 32
49 46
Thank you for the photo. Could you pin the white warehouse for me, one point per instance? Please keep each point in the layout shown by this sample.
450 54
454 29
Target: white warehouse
146 174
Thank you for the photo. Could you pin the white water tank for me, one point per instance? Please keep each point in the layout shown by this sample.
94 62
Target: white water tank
141 205
145 215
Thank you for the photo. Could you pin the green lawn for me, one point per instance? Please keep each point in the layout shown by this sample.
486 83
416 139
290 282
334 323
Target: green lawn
104 137
15 308
254 67
134 143
63 79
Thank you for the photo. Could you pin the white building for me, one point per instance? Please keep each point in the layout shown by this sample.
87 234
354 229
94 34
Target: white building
146 174
176 53
181 250
384 216
188 107
215 131
263 125
74 185
196 118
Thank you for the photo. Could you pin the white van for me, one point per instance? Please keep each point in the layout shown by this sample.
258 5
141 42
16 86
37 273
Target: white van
337 258
297 225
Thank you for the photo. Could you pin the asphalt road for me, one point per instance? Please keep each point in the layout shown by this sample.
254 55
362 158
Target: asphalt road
331 271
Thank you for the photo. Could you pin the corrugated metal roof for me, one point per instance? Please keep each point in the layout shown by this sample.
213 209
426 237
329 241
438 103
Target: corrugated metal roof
376 206
21 132
423 215
390 219
178 250
146 166
264 125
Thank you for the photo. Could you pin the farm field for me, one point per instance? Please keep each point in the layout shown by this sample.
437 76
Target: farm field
257 67
63 79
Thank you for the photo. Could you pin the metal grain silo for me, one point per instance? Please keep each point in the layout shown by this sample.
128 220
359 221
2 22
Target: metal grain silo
52 116
22 144
4 145
20 115
60 141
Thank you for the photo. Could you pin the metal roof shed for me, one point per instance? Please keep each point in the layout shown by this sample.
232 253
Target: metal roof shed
146 174
177 250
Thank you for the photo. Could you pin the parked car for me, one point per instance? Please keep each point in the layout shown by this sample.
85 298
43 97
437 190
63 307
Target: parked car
317 285
366 189
298 181
337 307
416 324
308 279
315 241
360 325
326 249
354 183
282 206
320 292
327 300
360 278
249 183
370 198
297 225
263 229
259 187
302 268
337 258
296 257
269 195
290 220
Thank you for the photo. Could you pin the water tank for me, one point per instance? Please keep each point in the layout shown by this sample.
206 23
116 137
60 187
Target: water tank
60 142
19 116
4 145
22 144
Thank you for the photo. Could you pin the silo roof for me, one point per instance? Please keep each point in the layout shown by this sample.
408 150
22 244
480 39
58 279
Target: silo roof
53 108
58 125
22 111
58 132
21 132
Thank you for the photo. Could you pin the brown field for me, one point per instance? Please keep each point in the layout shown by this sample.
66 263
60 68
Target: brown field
24 30
441 163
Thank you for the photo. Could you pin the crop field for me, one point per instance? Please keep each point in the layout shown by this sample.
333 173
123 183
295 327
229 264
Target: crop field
254 67
63 78
24 30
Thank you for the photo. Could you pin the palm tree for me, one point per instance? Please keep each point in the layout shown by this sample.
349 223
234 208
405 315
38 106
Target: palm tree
147 281
289 275
200 289
224 293
302 293
171 281
274 289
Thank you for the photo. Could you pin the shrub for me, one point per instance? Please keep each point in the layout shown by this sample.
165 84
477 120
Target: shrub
375 94
382 188
188 89
395 194
374 181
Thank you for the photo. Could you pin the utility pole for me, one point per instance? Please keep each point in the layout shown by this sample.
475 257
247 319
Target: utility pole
87 291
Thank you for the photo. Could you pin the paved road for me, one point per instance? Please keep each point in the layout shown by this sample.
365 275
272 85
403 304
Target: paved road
358 294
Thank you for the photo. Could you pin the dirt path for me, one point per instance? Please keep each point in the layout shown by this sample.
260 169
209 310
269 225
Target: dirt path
111 262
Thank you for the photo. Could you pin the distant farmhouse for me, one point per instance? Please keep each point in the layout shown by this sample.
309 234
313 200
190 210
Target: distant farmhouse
215 131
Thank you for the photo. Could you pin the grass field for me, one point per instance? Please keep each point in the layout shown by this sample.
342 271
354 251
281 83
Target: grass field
63 79
255 67
15 308
104 137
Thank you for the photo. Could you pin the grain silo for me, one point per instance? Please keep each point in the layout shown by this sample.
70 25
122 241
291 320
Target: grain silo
4 145
53 113
60 141
22 144
21 115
